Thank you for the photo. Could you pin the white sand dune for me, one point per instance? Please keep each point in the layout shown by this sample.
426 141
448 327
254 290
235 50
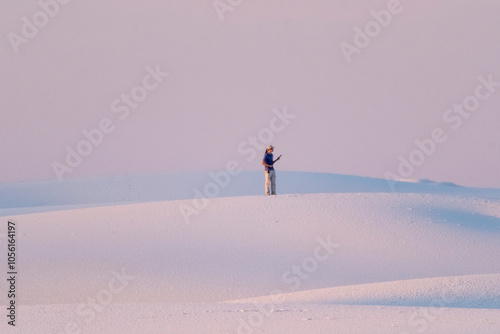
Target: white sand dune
27 197
354 259
470 291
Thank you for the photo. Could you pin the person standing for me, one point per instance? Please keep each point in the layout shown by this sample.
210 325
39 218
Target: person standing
268 163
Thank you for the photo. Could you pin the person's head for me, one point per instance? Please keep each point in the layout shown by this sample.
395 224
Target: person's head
270 149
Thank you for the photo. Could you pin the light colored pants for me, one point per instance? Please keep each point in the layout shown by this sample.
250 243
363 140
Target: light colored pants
271 181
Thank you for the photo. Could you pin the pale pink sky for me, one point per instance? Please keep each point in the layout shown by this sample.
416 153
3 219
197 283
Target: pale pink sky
226 77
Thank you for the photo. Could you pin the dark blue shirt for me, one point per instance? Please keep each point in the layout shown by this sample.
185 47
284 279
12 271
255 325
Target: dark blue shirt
268 160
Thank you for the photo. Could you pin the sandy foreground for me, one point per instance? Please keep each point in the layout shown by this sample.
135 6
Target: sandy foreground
351 262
